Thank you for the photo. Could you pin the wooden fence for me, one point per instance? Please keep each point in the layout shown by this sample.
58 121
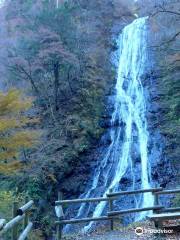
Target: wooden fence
18 215
111 215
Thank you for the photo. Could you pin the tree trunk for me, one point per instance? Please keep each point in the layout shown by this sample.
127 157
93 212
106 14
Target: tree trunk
56 84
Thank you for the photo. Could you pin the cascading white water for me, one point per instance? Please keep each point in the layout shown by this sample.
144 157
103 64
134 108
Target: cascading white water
129 114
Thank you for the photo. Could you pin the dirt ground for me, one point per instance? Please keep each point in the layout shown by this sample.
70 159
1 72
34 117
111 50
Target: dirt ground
137 231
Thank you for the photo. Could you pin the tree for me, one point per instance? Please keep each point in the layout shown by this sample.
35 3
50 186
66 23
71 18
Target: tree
41 54
63 54
14 135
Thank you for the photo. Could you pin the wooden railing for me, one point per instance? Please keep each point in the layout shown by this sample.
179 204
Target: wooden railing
19 215
111 215
157 200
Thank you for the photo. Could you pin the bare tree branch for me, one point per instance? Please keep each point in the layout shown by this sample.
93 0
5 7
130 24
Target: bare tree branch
167 42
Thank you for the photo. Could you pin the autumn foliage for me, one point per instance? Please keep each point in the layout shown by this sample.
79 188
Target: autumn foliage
14 135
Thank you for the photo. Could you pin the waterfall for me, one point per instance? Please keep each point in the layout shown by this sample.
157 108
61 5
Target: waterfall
128 118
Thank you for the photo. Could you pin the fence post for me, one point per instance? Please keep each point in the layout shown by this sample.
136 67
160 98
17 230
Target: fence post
14 214
26 218
156 199
111 209
156 203
59 226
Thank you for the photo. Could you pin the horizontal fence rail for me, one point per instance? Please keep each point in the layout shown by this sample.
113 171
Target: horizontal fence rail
26 231
134 192
111 215
19 215
170 209
11 224
114 213
83 220
61 202
168 191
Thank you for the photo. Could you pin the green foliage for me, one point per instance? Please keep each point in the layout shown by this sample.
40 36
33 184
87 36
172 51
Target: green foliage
170 123
33 188
176 201
36 235
6 202
46 225
169 99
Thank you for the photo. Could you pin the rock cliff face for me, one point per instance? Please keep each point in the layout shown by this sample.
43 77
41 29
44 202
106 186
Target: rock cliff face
67 163
68 152
162 104
75 183
158 85
161 167
162 84
164 90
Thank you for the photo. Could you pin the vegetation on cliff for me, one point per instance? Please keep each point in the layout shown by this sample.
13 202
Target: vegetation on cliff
60 55
167 57
14 137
